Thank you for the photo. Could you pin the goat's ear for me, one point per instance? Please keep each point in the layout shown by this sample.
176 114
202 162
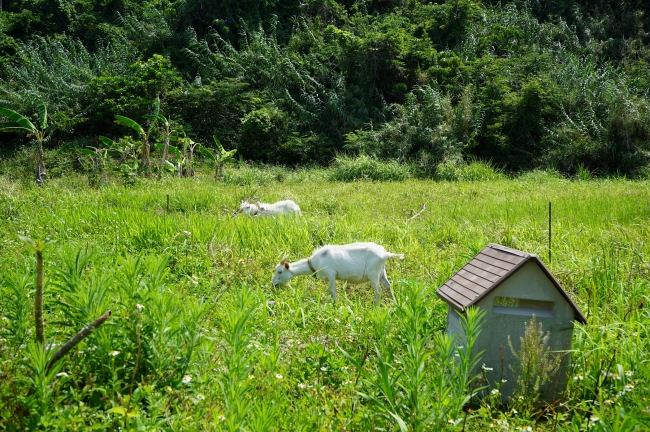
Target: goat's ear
284 260
286 265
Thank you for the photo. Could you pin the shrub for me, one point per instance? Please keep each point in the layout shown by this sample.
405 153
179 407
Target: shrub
367 168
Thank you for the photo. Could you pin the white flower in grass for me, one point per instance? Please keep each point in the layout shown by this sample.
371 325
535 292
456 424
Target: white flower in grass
629 373
504 381
451 421
251 376
302 385
514 411
279 376
485 368
187 379
200 396
578 377
139 306
608 401
629 387
494 391
62 374
168 388
187 233
594 419
346 382
221 417
113 353
323 368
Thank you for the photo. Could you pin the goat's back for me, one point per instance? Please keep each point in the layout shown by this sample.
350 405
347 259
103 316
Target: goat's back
360 252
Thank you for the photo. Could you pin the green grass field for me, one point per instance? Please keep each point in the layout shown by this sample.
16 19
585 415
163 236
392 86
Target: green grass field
218 348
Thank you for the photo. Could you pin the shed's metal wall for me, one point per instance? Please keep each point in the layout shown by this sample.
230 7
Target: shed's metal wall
529 283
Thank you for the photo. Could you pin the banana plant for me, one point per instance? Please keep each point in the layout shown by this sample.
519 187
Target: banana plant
220 157
167 131
99 156
42 132
145 153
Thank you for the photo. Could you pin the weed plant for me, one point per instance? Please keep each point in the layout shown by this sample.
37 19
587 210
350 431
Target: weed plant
200 340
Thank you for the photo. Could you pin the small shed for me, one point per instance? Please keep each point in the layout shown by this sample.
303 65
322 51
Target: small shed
510 286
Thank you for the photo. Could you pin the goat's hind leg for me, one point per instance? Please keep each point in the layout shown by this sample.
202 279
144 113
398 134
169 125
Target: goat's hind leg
384 281
375 284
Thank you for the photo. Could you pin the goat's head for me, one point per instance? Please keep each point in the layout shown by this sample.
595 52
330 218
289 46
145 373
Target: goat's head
282 272
248 208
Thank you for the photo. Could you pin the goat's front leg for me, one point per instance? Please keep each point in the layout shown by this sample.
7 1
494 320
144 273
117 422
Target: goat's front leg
333 289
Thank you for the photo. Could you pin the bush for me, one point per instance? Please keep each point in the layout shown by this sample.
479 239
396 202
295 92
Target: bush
367 168
455 169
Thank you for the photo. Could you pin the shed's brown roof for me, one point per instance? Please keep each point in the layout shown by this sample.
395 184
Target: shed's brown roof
486 271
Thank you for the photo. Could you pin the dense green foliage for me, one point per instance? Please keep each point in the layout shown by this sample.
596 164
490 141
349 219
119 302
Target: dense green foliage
218 348
522 83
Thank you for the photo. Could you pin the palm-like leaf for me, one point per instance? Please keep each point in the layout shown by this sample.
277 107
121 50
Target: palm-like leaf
207 153
130 123
218 143
42 114
19 120
107 141
87 152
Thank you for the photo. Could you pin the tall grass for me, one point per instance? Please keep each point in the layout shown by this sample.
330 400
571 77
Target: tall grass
195 282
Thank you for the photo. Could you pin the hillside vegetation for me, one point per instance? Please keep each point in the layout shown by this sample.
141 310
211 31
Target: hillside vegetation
557 84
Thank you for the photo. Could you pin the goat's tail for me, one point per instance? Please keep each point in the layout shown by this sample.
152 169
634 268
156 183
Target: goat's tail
394 255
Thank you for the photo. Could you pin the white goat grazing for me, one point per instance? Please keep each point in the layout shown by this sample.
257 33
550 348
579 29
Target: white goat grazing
264 209
354 263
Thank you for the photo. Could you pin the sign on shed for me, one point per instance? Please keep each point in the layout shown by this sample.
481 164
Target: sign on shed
511 286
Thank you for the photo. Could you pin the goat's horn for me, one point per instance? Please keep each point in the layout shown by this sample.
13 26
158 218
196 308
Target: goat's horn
284 259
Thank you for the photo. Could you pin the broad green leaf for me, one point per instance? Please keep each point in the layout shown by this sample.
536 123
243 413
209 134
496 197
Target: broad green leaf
207 153
228 155
13 127
28 240
130 123
118 410
176 151
22 121
42 114
170 166
87 152
218 143
107 141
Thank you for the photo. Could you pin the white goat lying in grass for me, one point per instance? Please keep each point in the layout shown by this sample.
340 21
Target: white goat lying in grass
264 209
354 263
